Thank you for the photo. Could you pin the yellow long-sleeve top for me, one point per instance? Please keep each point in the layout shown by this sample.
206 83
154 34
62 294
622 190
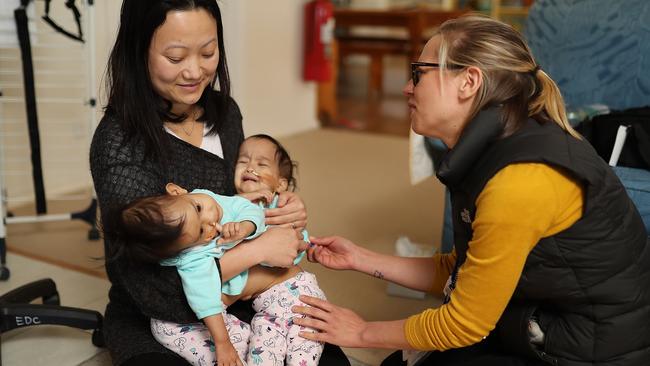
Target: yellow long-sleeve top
519 205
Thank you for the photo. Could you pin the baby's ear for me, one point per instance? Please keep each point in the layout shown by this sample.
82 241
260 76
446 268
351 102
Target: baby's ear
283 185
175 189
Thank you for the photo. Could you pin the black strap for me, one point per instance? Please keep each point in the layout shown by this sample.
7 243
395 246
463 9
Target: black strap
77 18
643 141
20 16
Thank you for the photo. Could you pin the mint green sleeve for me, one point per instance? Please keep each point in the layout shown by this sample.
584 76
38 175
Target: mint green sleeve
245 210
202 285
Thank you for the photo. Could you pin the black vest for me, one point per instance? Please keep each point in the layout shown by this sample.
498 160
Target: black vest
589 284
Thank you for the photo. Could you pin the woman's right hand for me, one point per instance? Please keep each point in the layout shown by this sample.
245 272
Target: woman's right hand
334 252
279 246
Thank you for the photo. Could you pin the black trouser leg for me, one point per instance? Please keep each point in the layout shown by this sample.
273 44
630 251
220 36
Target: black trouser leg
332 356
480 354
154 358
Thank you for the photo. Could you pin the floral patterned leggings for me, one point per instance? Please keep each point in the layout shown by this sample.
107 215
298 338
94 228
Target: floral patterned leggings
274 336
193 341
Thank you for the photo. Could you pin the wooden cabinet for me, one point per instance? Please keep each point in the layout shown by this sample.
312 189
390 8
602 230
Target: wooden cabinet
511 12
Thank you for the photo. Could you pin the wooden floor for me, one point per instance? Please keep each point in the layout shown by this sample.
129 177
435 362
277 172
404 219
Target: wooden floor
385 113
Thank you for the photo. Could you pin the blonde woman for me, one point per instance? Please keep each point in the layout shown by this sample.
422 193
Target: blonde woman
551 261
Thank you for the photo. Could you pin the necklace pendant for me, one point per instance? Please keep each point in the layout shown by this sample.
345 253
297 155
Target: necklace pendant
191 129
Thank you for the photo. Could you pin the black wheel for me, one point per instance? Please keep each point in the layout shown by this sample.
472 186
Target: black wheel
98 338
93 234
52 300
4 273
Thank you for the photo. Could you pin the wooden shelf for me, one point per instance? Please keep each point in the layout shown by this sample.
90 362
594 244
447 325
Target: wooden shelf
499 11
513 11
514 15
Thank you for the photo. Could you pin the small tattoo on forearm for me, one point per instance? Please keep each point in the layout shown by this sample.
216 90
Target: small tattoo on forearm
378 274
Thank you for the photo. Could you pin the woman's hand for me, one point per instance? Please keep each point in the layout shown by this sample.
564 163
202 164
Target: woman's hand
335 324
343 327
279 246
290 212
334 252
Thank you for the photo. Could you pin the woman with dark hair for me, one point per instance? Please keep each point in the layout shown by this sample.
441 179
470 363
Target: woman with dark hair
551 262
164 122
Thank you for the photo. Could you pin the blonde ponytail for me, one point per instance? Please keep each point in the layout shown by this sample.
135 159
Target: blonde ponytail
550 102
511 77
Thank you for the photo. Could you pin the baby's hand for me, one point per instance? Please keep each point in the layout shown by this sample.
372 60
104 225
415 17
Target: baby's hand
235 231
230 231
227 355
263 194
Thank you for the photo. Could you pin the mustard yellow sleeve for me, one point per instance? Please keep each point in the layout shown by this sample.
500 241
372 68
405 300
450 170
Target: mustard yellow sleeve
520 205
444 264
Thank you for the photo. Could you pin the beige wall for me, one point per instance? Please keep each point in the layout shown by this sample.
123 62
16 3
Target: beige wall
263 41
264 45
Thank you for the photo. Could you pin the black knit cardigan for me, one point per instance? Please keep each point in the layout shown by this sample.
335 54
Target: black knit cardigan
122 173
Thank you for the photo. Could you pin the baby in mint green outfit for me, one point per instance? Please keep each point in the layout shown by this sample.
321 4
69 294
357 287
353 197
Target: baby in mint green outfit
189 231
196 265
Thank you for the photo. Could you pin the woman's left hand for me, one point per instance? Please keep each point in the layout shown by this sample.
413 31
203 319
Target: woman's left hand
290 212
335 324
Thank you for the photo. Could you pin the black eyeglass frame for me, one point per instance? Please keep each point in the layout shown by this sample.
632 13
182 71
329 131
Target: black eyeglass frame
416 72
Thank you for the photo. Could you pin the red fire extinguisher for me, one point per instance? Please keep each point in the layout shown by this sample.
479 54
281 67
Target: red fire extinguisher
319 32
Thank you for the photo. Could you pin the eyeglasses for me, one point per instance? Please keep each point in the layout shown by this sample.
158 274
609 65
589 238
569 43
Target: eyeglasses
416 73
